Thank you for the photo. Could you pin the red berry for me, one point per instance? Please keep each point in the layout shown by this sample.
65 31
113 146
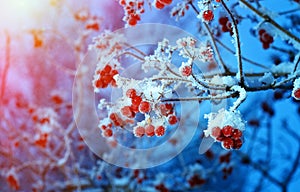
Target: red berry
172 120
166 2
208 15
136 100
139 131
149 130
166 109
131 93
132 21
261 32
145 107
227 143
237 144
160 131
227 130
216 132
107 133
237 134
297 94
159 5
186 70
223 20
127 111
107 69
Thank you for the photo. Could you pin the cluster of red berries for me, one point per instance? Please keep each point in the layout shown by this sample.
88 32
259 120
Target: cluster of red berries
226 25
186 70
149 130
265 38
228 136
208 15
107 129
160 4
105 77
133 10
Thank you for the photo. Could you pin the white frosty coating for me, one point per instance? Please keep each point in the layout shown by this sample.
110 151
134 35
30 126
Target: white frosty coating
267 79
242 96
223 118
286 67
296 87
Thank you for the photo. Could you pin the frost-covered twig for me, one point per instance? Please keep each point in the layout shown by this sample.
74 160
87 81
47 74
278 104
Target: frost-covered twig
237 44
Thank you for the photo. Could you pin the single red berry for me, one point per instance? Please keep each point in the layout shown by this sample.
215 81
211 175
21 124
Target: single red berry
172 120
139 131
227 130
237 134
159 5
136 100
216 132
145 107
208 15
132 21
261 32
160 131
166 2
223 20
106 69
127 111
296 94
107 133
227 143
237 144
130 93
149 130
186 70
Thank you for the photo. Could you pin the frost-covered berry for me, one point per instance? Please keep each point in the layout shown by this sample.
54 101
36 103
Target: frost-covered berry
227 143
127 111
172 120
149 130
186 71
208 15
160 131
145 107
216 132
296 89
158 4
166 109
107 133
130 93
139 131
227 130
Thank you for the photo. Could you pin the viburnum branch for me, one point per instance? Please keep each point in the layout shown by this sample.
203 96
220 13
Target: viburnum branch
134 48
171 79
271 21
238 44
213 42
205 85
242 96
218 97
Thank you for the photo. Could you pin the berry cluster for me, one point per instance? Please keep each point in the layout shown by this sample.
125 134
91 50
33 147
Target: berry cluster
228 136
265 38
208 15
133 10
105 77
107 129
149 130
160 4
226 25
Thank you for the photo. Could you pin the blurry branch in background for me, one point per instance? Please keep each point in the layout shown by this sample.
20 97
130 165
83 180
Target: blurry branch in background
6 66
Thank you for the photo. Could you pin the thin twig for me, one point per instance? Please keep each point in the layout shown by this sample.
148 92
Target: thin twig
219 97
238 44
